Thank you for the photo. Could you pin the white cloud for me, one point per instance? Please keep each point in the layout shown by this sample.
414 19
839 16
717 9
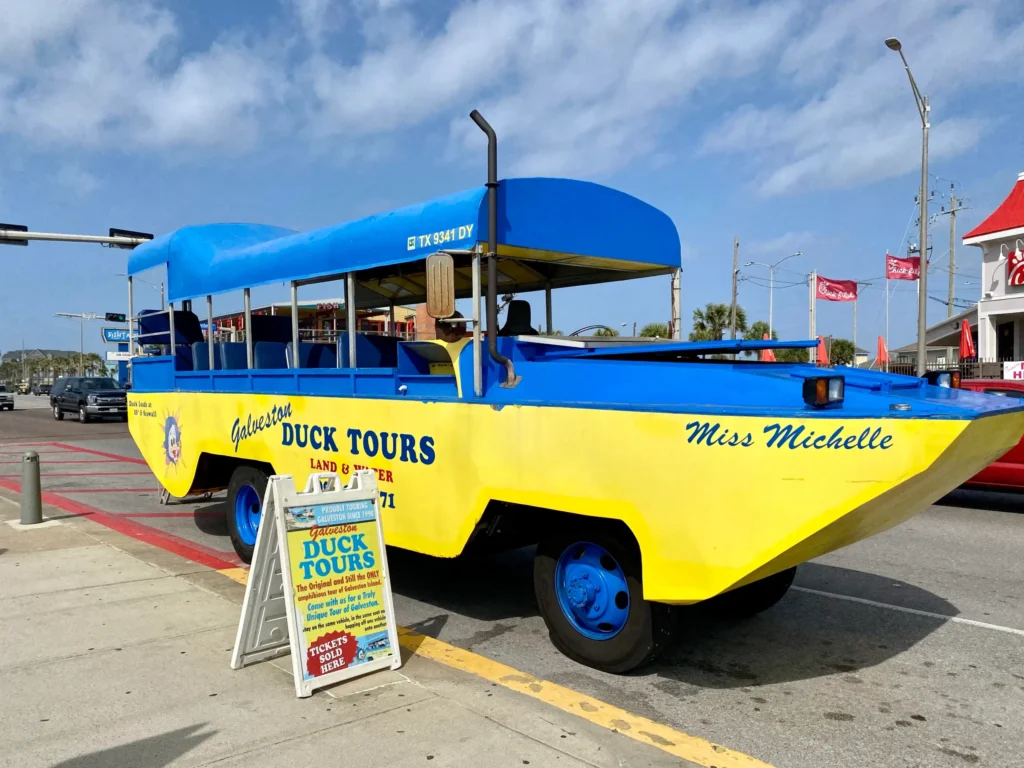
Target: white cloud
94 73
575 88
77 180
854 120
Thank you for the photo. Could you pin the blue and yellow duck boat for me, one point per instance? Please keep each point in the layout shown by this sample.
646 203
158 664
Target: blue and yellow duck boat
648 474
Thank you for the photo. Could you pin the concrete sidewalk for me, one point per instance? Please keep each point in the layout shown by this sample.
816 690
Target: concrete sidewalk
116 653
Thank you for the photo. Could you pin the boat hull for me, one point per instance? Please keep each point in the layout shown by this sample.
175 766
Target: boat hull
713 502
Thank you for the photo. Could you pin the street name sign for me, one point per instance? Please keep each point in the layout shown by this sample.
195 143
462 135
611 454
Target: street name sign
319 584
115 335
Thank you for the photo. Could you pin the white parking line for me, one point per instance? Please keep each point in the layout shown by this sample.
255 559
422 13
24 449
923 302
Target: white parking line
914 611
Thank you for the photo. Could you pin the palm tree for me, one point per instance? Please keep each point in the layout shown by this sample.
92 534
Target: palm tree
710 323
758 331
606 332
654 331
95 365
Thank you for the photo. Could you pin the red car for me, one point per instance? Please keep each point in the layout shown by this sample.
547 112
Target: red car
1008 472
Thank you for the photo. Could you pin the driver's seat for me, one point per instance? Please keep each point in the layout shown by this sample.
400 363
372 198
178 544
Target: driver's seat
517 323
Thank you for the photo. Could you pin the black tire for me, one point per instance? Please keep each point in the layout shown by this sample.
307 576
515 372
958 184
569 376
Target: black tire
58 414
83 417
242 476
753 598
648 626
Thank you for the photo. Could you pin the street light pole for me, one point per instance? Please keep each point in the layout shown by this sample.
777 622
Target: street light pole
81 316
771 284
923 109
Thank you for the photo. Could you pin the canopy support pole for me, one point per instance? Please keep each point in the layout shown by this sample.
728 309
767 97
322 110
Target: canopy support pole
350 316
677 303
170 324
248 328
391 319
131 327
478 377
295 325
547 306
209 329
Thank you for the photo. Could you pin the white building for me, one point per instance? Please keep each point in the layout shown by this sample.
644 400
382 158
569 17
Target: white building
997 321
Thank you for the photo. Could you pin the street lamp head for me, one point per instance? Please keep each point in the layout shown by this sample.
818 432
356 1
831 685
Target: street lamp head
893 44
749 264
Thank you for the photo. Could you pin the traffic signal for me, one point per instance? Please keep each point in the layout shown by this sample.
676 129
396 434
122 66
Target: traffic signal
115 232
13 228
116 317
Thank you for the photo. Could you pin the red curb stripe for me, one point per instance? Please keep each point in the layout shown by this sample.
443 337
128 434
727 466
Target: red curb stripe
196 513
49 462
93 452
14 476
190 550
105 490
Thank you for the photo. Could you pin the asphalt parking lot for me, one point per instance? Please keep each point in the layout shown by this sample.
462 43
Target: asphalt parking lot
906 649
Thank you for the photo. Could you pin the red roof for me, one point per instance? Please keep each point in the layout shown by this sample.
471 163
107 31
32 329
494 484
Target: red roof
1009 215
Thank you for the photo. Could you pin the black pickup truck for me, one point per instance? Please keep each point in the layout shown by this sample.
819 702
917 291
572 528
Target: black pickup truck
90 398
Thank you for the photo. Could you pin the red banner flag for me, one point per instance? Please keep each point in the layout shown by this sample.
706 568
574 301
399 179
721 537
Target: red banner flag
902 269
767 355
966 341
883 352
837 290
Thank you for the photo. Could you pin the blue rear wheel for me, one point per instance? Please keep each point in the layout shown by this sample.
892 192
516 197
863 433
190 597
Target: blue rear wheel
245 508
592 591
588 579
247 514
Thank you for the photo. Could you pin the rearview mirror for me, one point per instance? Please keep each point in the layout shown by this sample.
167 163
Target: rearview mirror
440 285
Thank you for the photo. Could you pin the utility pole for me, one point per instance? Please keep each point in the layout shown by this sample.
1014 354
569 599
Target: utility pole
952 249
859 284
812 283
735 276
955 206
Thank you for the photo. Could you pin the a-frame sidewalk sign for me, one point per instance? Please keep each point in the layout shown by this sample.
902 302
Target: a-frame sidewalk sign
319 585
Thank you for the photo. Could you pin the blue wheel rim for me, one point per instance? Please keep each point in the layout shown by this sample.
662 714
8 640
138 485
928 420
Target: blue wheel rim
247 514
592 591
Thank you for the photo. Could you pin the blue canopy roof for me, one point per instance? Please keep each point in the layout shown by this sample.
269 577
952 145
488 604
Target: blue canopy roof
574 232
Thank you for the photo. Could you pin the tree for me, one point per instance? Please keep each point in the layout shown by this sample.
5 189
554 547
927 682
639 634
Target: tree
800 355
655 331
842 352
606 332
710 323
758 331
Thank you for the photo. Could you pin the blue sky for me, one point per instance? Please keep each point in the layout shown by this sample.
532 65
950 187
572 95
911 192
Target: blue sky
786 123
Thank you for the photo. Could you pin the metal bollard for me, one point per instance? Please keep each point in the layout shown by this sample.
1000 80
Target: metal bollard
31 501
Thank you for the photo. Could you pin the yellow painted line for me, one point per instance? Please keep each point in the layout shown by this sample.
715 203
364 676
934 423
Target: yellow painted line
241 575
692 748
676 743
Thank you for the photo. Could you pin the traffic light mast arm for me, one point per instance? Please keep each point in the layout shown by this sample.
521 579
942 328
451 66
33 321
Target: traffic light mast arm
118 238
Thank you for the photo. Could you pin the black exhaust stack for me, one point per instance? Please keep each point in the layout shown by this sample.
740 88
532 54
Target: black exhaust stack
492 251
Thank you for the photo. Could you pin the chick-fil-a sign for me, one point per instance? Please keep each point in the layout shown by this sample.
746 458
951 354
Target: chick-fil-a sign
837 290
902 269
